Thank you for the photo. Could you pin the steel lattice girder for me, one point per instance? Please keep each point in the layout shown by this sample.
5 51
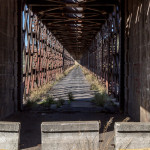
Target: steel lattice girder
74 22
43 54
102 57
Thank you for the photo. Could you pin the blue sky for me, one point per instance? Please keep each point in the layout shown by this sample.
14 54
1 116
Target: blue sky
23 21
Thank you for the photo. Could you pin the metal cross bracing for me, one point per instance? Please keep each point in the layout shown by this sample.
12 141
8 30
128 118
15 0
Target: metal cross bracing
43 55
102 57
74 22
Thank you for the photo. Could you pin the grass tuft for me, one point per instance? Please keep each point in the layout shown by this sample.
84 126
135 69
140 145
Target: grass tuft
48 102
40 93
126 119
96 85
70 96
30 103
101 96
100 99
60 102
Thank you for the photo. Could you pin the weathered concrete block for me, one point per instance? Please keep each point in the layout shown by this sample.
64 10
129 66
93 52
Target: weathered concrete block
133 135
9 135
70 135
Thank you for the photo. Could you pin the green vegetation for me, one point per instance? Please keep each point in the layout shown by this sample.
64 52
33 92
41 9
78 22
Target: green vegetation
70 96
60 102
30 104
100 99
48 101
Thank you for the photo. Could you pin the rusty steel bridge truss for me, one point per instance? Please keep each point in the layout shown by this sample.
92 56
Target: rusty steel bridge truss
89 29
103 56
43 54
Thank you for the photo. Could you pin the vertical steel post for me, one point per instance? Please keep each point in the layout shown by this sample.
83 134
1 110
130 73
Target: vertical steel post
122 50
19 47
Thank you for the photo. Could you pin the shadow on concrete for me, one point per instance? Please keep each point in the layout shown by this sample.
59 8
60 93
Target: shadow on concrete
81 110
31 124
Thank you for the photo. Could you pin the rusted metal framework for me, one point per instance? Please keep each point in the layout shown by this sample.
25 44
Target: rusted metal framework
102 57
75 23
43 55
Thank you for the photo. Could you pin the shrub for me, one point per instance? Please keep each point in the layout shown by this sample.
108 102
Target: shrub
100 99
38 93
31 103
47 102
59 77
60 102
94 87
70 96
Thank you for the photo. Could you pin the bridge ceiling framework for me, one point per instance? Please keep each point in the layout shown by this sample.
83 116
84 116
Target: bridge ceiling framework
74 22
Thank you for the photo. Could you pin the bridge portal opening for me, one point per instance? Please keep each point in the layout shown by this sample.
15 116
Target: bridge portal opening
57 34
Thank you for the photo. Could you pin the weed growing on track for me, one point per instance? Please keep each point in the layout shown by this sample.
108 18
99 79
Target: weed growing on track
100 99
60 102
70 96
48 102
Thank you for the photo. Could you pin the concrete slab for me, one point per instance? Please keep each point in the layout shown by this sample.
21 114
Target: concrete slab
9 135
132 135
70 135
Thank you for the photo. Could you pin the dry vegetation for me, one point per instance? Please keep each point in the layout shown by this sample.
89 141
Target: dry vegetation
95 83
105 141
41 93
100 91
